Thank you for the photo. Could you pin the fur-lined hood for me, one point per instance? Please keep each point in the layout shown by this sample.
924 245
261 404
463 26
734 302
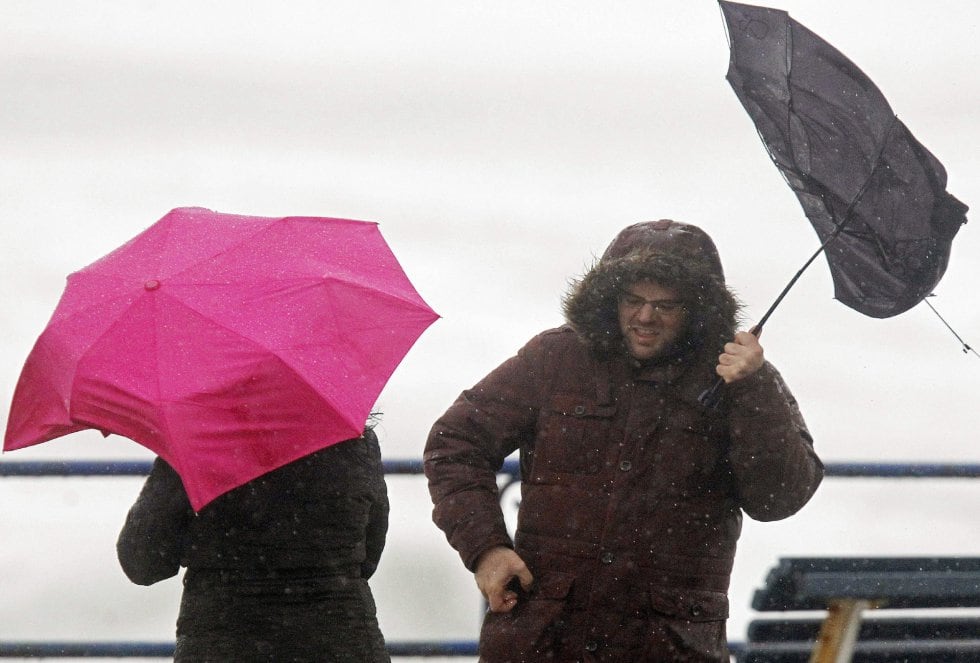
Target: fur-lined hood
675 255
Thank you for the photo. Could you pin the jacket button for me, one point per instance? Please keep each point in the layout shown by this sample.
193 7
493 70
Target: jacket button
626 466
607 558
591 645
696 610
579 410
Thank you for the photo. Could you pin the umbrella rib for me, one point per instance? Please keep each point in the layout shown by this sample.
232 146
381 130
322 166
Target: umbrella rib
966 346
874 169
724 24
174 459
257 342
790 106
415 304
329 401
117 279
95 304
162 421
240 240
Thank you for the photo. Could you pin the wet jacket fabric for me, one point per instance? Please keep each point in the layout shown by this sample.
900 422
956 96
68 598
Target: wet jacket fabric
632 492
277 569
632 497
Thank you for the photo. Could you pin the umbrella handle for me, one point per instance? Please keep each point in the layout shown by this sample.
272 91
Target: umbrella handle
710 397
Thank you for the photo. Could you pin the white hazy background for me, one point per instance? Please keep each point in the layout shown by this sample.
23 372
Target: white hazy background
500 145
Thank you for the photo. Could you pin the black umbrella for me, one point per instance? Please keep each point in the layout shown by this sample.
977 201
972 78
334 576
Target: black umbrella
875 196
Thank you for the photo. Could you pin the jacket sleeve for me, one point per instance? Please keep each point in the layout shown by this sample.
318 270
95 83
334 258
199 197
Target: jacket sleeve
466 448
377 527
775 468
149 545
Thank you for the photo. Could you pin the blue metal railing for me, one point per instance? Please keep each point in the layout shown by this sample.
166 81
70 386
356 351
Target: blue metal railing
442 648
97 649
107 468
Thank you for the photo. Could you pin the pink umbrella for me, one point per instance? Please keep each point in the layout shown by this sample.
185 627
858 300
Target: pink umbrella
229 345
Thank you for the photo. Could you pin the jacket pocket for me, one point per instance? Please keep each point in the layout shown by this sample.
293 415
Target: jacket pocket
689 624
529 631
695 605
572 436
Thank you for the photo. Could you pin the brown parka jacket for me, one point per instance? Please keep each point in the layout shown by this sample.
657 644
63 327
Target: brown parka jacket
632 491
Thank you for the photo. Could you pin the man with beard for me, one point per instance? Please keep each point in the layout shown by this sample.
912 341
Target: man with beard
632 489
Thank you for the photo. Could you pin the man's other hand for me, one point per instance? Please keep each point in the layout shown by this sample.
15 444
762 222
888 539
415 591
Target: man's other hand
494 570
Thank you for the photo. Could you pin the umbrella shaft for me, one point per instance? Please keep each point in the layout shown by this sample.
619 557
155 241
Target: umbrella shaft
796 277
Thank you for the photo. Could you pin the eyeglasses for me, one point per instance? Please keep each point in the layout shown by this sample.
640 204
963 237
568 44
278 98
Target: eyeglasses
662 306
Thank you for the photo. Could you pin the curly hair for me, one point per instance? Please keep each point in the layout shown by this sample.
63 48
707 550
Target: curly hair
591 305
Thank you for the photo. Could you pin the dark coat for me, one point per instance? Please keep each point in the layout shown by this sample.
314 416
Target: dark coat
277 569
632 496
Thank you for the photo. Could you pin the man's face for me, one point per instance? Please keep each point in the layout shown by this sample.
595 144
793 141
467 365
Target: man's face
651 319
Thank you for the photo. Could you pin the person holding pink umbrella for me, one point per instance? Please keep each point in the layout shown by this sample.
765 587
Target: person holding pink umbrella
277 569
247 353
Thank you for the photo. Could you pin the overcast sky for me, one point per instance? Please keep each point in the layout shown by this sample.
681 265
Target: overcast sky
500 145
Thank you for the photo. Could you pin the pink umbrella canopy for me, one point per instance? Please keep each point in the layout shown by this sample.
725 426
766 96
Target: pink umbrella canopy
228 345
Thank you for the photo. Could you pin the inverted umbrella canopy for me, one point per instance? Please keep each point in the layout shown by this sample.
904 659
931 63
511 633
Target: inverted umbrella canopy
875 196
229 345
